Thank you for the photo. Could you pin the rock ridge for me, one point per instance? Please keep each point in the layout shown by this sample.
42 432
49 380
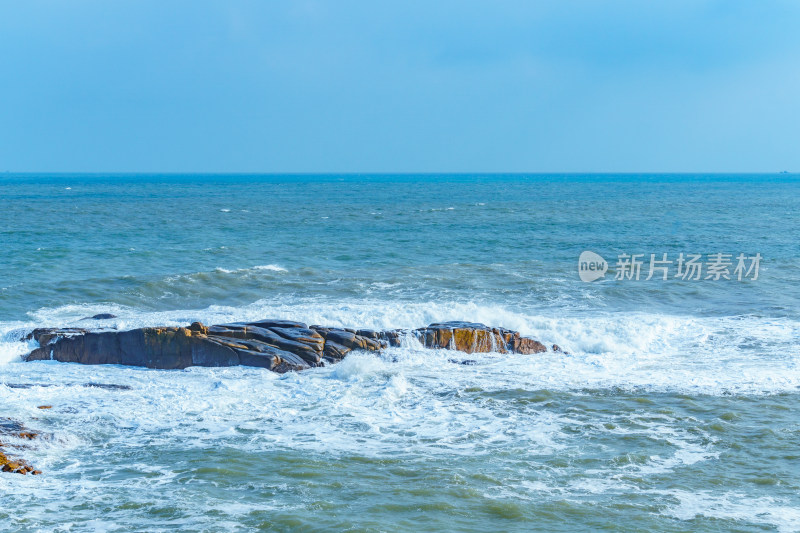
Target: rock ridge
278 345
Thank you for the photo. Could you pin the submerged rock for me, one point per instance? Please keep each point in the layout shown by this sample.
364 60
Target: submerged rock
100 316
17 466
109 386
13 429
278 345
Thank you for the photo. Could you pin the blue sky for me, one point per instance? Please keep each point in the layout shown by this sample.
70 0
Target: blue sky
411 86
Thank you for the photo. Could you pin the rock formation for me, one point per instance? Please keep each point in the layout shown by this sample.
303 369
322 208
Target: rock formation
278 345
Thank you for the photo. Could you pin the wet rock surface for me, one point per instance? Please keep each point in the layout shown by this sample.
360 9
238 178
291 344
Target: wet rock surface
278 345
12 431
471 337
100 316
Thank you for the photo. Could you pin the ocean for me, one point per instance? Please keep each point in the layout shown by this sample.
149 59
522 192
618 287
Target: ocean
671 410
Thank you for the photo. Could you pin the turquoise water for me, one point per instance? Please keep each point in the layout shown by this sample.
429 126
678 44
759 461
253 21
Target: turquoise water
672 411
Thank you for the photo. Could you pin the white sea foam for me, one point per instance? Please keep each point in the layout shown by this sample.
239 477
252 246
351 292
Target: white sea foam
711 355
271 268
12 347
274 268
735 506
412 400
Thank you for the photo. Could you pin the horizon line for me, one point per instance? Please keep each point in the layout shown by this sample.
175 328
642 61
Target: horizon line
390 173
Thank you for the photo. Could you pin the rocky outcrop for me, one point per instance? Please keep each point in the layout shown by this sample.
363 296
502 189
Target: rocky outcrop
278 345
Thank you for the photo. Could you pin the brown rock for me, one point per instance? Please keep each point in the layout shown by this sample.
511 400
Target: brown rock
17 466
199 327
8 464
525 345
463 336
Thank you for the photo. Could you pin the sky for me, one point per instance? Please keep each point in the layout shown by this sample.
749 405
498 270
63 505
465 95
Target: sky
399 86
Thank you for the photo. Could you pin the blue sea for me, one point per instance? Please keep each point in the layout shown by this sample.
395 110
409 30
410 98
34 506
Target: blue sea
673 408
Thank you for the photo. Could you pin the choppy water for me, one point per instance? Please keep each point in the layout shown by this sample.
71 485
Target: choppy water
673 411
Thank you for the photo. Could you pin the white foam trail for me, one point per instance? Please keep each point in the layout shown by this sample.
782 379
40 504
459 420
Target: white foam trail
416 401
273 268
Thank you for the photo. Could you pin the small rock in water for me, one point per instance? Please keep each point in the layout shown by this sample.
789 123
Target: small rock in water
100 316
467 362
107 386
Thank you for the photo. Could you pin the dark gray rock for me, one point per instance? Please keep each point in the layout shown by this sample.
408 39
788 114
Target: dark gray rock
100 316
309 352
335 351
278 324
304 335
278 345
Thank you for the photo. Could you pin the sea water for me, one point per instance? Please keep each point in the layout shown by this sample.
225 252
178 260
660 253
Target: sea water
673 408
